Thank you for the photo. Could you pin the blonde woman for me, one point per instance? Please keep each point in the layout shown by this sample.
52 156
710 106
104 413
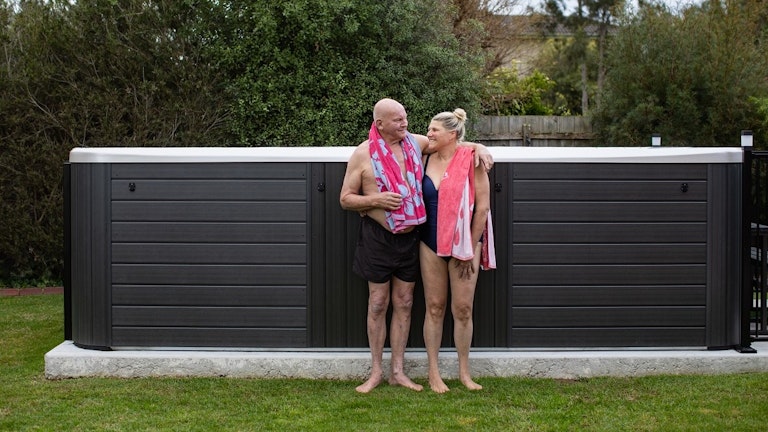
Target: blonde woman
457 199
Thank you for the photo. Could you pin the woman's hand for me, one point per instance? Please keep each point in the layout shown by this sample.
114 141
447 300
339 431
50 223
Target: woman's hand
466 270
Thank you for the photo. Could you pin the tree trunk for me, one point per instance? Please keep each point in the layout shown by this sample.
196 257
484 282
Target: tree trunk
584 94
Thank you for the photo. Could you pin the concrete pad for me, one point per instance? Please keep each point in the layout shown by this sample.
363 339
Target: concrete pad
69 361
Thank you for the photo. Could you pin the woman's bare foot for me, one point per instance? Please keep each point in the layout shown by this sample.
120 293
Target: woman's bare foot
371 384
400 379
471 385
437 385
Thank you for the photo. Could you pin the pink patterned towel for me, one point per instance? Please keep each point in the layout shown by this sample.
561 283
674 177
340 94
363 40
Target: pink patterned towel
389 178
454 212
488 253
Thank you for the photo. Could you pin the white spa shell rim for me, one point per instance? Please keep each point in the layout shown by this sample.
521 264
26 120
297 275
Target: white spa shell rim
341 154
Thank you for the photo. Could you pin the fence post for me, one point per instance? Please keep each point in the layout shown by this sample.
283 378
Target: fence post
527 141
746 243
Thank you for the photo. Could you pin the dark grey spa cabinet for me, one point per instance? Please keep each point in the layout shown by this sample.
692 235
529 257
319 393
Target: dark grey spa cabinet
248 248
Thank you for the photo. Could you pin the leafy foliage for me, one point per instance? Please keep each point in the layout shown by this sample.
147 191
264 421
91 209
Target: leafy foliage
577 62
572 65
507 94
97 73
309 72
689 77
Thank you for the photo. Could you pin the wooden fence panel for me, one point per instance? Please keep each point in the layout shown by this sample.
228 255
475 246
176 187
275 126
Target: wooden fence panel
534 131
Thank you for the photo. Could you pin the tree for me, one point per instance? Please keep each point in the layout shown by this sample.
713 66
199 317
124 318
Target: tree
695 78
92 73
572 65
506 94
124 72
309 72
488 25
578 56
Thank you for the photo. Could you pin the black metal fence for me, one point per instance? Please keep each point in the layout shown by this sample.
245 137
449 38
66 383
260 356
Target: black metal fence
756 216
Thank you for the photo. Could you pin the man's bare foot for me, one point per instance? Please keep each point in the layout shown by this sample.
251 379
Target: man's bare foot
471 385
369 385
400 379
437 385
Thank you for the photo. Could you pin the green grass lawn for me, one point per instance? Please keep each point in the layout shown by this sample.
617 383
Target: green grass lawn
31 326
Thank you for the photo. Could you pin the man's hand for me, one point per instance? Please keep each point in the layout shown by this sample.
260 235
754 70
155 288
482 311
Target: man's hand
482 155
387 200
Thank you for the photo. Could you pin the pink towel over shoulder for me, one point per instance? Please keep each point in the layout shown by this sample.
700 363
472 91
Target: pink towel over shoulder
454 212
389 178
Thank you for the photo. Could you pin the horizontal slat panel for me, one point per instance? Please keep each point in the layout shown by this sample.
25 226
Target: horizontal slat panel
136 274
597 171
209 295
682 274
604 190
156 211
188 232
609 253
270 170
207 337
609 212
629 295
666 232
195 253
210 190
682 316
609 337
159 316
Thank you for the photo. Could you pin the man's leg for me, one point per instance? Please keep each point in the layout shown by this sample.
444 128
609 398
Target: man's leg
378 303
402 302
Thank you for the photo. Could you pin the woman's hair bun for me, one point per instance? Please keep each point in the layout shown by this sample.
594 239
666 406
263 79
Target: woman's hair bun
460 114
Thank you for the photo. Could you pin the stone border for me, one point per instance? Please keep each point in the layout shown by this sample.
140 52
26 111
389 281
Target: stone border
69 361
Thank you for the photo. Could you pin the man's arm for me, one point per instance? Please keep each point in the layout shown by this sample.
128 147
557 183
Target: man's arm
482 155
423 143
352 196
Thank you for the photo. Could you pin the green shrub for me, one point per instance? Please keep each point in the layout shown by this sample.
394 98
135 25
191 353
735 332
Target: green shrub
687 76
508 94
309 72
90 74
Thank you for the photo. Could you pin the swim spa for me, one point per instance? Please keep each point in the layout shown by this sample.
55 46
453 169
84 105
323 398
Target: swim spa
217 248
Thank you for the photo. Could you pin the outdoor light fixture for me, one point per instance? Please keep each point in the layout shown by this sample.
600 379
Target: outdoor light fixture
746 138
656 140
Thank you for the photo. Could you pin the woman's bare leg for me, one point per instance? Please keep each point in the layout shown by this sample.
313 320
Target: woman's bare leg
434 274
462 305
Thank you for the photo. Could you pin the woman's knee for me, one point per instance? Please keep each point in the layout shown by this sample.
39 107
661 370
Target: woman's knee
462 312
435 310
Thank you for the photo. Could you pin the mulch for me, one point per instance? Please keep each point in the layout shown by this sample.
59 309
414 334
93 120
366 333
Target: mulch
14 292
